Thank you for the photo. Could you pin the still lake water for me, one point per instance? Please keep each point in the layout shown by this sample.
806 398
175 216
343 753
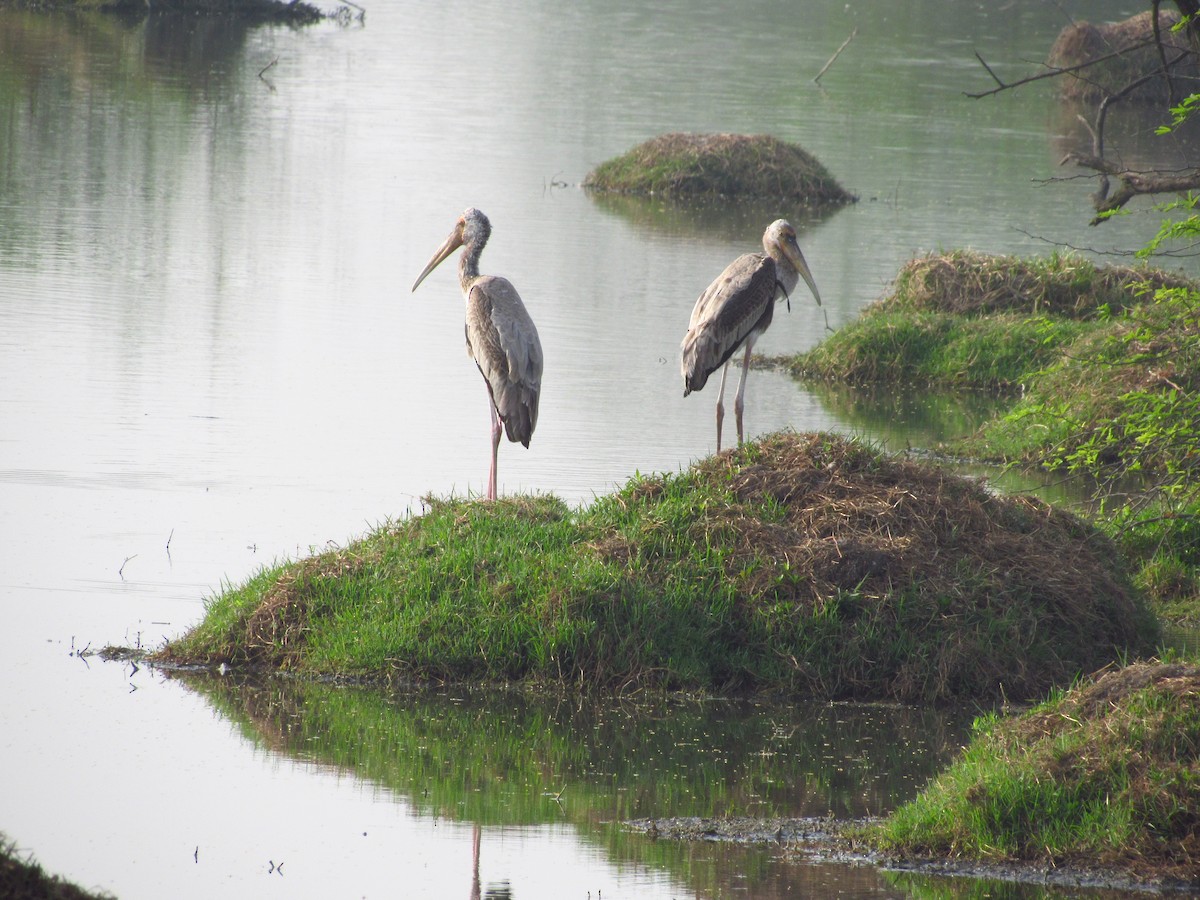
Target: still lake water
211 360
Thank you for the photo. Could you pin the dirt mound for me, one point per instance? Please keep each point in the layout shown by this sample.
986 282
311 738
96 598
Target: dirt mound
686 166
1129 740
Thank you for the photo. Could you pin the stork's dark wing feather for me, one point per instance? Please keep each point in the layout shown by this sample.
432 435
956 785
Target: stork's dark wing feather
738 303
504 343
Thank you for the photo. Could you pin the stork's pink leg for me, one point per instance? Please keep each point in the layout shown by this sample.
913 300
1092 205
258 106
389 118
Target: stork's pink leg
497 430
721 404
739 401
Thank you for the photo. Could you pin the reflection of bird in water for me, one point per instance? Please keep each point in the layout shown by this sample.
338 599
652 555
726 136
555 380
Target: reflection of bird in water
737 308
501 337
502 891
475 863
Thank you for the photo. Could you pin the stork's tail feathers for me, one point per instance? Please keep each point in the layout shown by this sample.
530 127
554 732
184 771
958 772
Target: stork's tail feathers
696 345
694 381
520 418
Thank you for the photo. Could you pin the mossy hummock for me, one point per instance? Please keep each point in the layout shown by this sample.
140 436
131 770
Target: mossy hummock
699 166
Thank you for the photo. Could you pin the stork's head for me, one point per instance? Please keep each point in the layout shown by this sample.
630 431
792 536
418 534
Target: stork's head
780 240
471 229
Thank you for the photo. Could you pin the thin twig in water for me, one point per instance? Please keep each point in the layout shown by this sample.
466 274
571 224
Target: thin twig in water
269 65
121 571
836 54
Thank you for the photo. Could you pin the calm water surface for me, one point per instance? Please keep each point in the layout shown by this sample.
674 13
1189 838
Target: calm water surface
211 360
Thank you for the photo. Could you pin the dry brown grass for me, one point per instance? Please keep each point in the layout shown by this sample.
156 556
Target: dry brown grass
1108 692
855 520
276 631
894 543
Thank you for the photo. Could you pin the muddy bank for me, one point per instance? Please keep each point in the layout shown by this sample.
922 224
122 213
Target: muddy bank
295 13
838 840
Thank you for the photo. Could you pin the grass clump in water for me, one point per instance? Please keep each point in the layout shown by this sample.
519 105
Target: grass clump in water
966 319
1106 772
805 564
693 166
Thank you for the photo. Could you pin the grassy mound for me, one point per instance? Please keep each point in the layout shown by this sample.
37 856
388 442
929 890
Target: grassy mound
802 563
966 319
1107 772
687 166
1101 366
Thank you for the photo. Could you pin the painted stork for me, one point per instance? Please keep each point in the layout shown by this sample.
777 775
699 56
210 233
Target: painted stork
736 308
501 337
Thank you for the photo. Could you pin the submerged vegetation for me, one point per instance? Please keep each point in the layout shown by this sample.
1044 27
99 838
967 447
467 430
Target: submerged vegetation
1105 773
690 166
806 564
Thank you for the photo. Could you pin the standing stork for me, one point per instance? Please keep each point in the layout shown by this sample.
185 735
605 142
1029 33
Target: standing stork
737 308
501 337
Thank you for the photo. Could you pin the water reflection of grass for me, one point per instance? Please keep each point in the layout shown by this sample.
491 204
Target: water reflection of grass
503 757
901 416
730 220
933 887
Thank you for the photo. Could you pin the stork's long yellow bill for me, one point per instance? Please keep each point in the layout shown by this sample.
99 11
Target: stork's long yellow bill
453 242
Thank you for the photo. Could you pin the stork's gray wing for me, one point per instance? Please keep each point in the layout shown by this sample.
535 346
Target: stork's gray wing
740 301
504 343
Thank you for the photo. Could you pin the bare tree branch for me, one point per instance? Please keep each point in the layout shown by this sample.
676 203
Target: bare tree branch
1051 71
1130 183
